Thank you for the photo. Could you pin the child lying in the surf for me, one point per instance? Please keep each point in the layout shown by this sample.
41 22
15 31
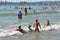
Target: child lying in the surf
20 29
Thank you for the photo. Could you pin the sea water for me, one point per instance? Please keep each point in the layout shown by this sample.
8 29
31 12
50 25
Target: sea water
9 21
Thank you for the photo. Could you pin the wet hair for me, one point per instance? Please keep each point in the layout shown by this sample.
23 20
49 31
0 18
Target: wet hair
47 20
29 27
36 20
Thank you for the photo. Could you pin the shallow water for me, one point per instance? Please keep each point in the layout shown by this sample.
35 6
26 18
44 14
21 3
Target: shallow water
10 21
43 35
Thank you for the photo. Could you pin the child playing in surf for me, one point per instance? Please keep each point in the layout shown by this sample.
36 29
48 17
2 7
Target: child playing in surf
36 24
47 23
20 29
29 27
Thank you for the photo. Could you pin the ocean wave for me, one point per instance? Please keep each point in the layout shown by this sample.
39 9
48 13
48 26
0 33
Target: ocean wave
9 33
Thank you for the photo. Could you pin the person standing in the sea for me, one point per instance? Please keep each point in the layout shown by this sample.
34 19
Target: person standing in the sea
25 11
36 25
19 15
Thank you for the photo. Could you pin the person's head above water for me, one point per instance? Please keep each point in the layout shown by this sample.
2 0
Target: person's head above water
36 20
29 27
20 11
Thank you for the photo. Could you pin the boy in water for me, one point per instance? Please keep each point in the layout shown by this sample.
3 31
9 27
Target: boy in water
25 11
36 24
20 29
29 27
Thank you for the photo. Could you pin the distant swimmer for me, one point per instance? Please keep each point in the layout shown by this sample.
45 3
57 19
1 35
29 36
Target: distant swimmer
34 11
25 11
16 7
30 8
47 23
29 27
19 15
36 25
20 29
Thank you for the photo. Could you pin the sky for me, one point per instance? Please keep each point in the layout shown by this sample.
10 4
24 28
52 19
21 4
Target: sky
28 0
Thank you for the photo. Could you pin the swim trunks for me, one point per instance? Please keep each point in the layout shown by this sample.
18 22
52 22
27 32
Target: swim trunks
36 29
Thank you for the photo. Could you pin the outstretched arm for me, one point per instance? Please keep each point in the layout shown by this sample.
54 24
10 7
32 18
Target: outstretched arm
39 25
34 25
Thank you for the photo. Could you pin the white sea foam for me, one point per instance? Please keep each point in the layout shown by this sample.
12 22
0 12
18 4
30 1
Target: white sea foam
9 33
55 27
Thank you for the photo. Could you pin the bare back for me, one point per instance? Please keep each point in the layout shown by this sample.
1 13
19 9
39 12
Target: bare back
36 24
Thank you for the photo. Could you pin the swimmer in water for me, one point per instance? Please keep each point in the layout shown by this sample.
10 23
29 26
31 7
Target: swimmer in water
30 8
20 15
25 11
20 29
47 23
29 27
36 24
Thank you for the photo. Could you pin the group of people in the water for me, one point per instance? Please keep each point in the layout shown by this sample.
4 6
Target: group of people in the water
20 13
36 26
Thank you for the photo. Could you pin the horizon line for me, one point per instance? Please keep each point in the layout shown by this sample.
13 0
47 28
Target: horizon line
30 1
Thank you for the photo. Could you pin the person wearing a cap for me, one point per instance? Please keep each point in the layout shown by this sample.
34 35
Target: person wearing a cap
37 25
